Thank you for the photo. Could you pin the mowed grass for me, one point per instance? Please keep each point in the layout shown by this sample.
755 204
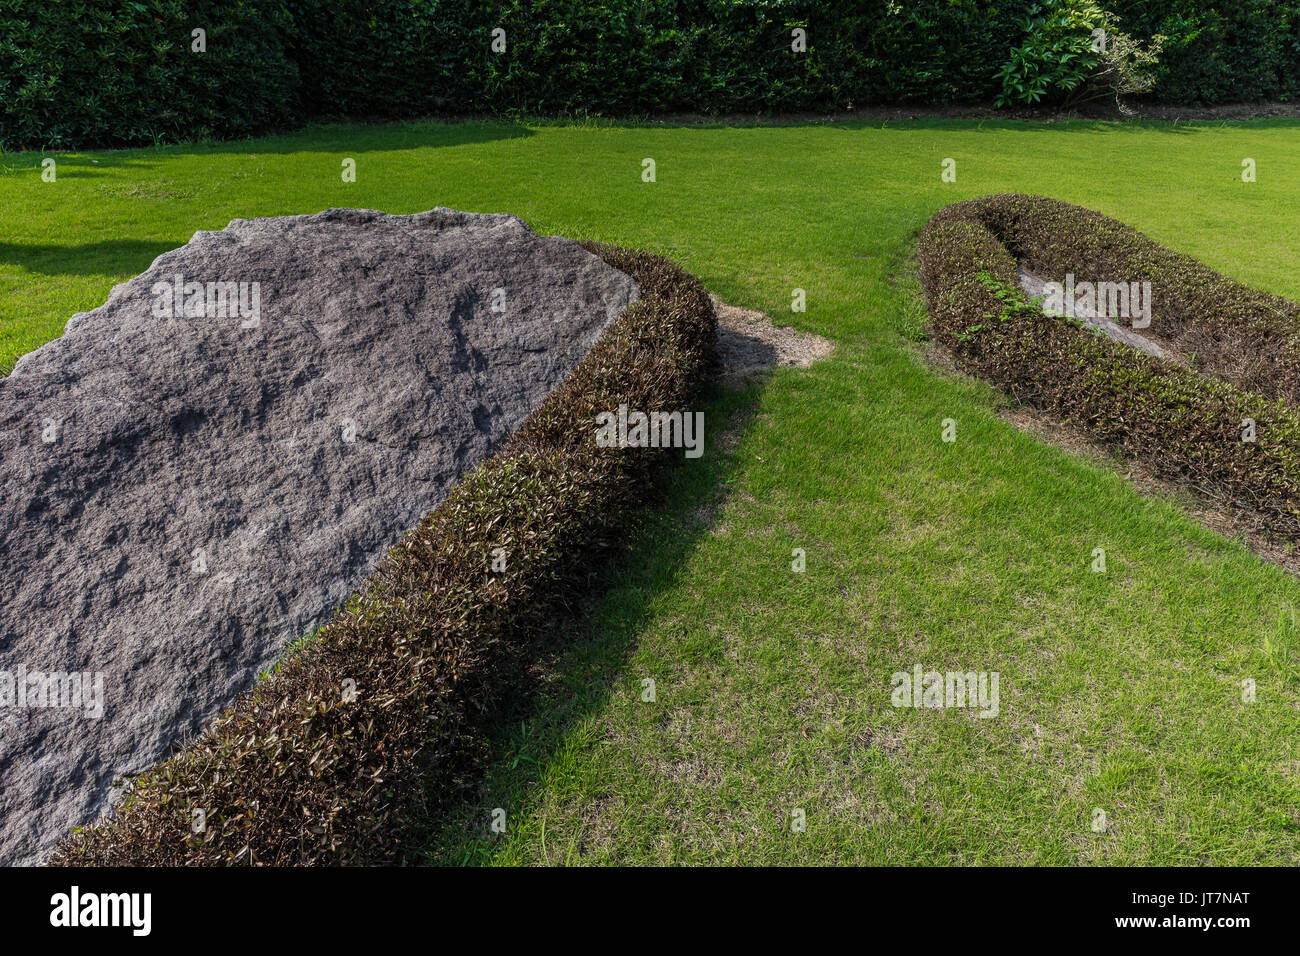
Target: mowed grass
1120 692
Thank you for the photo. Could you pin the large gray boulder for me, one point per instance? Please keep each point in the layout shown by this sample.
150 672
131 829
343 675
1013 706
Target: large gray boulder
181 494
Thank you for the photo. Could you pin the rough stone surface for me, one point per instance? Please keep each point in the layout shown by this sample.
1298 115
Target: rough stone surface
214 488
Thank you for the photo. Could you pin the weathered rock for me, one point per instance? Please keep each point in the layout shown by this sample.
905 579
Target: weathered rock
179 497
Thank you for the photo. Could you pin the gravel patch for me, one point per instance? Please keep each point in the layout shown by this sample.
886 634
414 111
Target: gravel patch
750 346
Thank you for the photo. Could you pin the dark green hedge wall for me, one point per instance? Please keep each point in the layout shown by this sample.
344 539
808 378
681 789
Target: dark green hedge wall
92 72
79 73
1234 51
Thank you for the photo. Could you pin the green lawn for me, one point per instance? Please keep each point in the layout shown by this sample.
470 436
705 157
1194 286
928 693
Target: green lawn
1119 691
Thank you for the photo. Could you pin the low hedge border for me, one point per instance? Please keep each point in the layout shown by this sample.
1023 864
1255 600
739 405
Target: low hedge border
1187 425
1241 335
296 773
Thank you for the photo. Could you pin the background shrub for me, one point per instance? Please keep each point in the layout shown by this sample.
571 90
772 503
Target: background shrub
1056 56
82 73
1221 52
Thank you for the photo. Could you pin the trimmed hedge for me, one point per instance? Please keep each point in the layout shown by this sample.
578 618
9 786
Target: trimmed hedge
75 75
1238 52
294 773
1185 424
84 73
1242 335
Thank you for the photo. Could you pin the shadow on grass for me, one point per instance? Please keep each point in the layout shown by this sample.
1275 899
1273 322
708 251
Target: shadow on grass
899 120
109 257
571 677
337 137
341 135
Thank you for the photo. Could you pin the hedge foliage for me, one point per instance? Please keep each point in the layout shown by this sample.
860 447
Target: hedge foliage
296 773
81 73
1186 421
1236 52
87 73
1242 335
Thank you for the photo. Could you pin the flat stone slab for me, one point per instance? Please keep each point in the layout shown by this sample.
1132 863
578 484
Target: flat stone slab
187 484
